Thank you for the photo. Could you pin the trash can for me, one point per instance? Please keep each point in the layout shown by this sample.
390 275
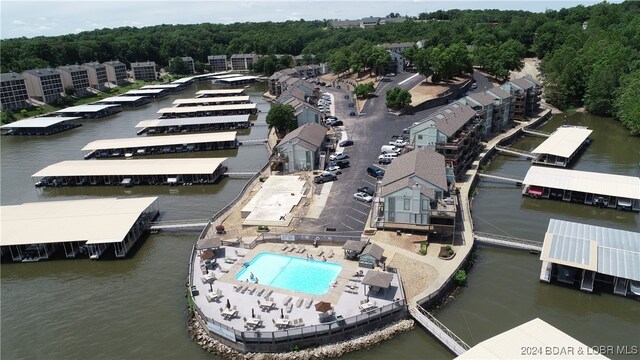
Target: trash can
398 232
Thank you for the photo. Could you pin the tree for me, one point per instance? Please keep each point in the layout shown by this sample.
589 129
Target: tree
7 117
69 90
339 62
177 66
282 118
627 104
364 90
398 98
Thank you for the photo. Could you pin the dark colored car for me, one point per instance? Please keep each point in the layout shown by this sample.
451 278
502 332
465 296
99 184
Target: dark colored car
366 190
337 123
346 143
339 163
385 161
324 177
375 171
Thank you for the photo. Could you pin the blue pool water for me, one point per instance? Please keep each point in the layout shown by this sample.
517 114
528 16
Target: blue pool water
291 273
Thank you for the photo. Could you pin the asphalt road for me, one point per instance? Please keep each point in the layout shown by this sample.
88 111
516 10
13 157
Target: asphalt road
369 131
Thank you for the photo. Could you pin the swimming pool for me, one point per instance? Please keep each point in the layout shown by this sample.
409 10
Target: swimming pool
291 273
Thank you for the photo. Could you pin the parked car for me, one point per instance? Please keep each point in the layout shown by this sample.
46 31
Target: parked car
390 155
474 86
346 143
385 161
375 171
360 196
341 163
324 177
388 149
334 169
338 156
398 142
337 123
366 190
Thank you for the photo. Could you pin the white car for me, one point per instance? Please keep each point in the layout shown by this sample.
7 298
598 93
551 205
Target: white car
390 155
360 196
334 170
338 156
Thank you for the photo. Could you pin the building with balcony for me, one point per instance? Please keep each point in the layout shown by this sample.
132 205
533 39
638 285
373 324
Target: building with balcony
144 71
304 112
44 84
308 71
76 77
277 81
217 62
502 109
300 149
116 72
97 75
454 132
14 92
526 93
243 62
483 105
415 194
189 64
398 47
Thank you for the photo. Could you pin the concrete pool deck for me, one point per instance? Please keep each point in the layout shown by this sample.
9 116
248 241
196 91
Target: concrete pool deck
344 304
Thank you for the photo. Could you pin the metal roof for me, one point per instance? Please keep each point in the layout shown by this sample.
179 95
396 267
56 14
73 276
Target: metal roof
225 76
121 99
220 91
564 141
159 140
85 108
608 251
207 100
160 86
183 80
238 78
536 335
194 121
189 109
41 122
96 221
132 167
584 181
144 92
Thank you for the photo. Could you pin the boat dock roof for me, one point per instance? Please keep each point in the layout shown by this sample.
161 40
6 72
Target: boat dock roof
564 141
211 100
190 109
238 79
84 109
96 221
138 142
121 99
220 92
584 181
39 122
194 121
160 86
144 92
225 76
604 250
535 334
131 167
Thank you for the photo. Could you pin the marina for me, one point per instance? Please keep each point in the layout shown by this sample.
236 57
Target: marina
126 100
590 188
89 111
236 80
219 93
195 124
561 148
154 93
132 172
139 146
40 126
173 87
212 110
594 257
34 231
244 99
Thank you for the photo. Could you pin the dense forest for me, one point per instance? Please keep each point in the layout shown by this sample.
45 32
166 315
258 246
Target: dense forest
590 56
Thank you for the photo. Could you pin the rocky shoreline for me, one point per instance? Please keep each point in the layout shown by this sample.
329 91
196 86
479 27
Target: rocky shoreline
202 338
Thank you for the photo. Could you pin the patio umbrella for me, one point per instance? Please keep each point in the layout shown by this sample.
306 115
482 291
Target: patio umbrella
228 304
211 287
323 306
253 313
281 313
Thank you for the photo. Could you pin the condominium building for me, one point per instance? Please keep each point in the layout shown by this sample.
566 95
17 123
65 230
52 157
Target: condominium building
242 62
97 75
188 63
217 62
76 77
14 92
44 84
144 71
116 72
526 94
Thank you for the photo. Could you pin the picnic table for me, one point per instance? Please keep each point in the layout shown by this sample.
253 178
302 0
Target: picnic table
368 306
267 305
282 323
208 278
253 323
229 313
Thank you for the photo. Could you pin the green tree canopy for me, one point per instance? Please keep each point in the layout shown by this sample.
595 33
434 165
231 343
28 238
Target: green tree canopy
364 90
282 118
398 98
177 66
627 104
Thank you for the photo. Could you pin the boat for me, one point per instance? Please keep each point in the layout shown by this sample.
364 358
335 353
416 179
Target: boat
93 257
634 287
126 182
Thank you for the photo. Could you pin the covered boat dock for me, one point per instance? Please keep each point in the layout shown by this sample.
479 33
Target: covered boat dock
40 126
236 80
35 231
219 93
582 254
125 100
211 110
168 87
132 172
137 146
591 188
90 111
154 93
197 124
213 101
561 148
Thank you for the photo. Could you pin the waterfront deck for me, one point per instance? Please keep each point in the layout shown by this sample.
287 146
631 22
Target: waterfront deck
89 111
211 110
139 146
40 126
590 188
562 147
139 172
575 253
33 231
193 124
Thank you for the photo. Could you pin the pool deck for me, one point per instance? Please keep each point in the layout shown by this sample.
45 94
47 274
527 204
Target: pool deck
345 304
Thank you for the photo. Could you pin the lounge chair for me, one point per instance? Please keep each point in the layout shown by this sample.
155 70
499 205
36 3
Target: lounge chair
244 289
300 322
289 307
266 296
295 322
252 290
238 254
260 292
302 249
299 302
237 288
330 253
285 247
308 303
319 252
293 248
287 300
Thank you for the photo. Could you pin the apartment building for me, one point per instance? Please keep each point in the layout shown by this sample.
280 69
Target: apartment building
44 84
76 77
97 75
526 93
116 72
14 92
188 62
243 62
217 62
144 71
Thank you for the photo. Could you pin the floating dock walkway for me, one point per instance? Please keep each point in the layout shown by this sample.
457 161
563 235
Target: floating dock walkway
514 151
507 241
518 182
438 330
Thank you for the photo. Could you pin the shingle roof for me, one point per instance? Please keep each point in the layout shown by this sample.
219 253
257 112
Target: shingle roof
11 76
354 245
497 91
217 57
406 183
311 136
43 72
72 68
94 65
451 119
423 162
374 250
378 279
482 98
524 82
